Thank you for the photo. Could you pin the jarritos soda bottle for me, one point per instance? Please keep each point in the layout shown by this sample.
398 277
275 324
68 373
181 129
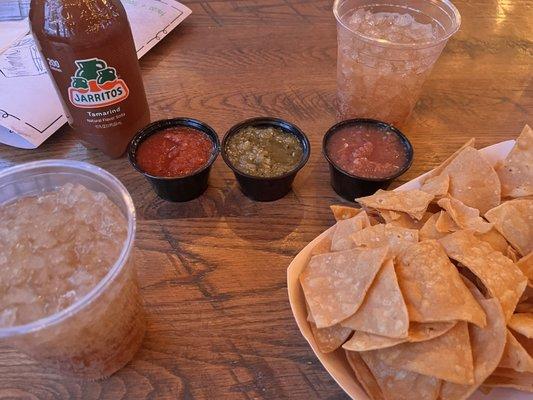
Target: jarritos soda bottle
89 51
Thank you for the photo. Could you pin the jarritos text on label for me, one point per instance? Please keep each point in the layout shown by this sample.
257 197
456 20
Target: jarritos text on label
96 85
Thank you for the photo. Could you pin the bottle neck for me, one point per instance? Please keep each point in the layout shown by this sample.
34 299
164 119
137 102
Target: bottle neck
74 18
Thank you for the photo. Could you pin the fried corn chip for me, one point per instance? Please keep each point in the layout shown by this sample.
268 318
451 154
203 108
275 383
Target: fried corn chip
421 331
413 202
473 181
341 239
463 216
403 220
437 186
445 224
516 171
394 237
515 356
429 230
487 348
331 338
399 384
364 341
447 357
364 376
438 170
341 212
514 220
526 266
500 275
495 239
505 377
383 311
432 287
335 284
523 324
418 332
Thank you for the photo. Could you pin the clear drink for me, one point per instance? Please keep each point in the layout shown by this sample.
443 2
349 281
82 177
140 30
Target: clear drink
68 290
385 53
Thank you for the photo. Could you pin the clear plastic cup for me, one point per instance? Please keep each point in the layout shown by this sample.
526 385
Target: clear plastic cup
382 79
100 333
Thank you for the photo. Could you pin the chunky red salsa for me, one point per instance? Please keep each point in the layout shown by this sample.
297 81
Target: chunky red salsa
174 152
367 151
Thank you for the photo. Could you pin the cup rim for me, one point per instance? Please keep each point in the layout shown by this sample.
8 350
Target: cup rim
358 121
117 267
455 17
156 127
275 122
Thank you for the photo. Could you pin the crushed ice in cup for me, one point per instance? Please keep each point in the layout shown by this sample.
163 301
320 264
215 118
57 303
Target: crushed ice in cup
380 68
54 248
391 26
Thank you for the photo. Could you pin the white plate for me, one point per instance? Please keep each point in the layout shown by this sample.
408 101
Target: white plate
335 363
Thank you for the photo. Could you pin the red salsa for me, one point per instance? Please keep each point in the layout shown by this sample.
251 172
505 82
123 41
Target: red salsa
174 152
367 151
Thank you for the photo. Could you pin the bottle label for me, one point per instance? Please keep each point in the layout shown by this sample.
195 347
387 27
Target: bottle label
96 85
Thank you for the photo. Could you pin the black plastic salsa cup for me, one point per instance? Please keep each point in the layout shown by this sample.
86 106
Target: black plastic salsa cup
267 188
351 186
179 188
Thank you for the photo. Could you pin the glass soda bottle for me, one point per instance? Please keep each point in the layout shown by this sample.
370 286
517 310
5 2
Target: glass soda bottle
88 49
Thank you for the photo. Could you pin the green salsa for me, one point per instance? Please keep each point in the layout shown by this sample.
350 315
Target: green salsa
264 152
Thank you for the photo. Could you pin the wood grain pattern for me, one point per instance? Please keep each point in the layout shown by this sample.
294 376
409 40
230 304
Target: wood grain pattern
213 270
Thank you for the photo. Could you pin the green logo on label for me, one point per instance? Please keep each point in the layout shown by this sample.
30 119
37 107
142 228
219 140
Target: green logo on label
95 85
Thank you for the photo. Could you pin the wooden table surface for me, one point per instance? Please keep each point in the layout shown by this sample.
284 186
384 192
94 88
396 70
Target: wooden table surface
213 270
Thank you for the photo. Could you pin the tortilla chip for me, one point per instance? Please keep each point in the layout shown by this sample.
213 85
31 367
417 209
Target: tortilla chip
429 230
341 212
527 295
437 185
364 376
514 220
445 224
512 254
523 324
504 377
464 217
364 341
447 357
341 239
515 356
432 287
331 338
473 181
502 278
413 202
526 342
525 307
516 171
438 170
418 332
335 284
383 311
526 266
399 384
495 239
394 237
487 348
403 220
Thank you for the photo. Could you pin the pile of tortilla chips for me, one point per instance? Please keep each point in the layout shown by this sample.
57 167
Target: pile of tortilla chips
429 292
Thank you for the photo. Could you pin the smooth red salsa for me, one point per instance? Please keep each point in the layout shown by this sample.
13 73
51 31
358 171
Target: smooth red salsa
367 151
174 152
